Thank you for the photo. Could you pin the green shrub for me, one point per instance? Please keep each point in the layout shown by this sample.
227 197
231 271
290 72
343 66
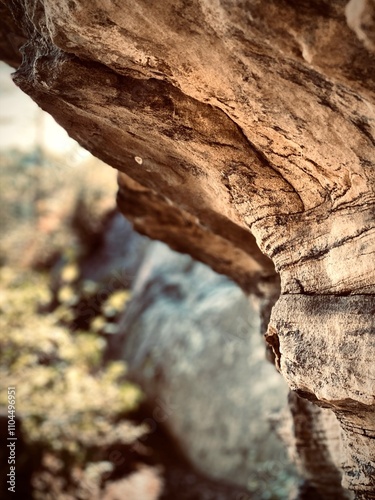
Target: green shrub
68 402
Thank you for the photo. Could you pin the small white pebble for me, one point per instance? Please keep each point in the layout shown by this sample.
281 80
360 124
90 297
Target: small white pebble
138 159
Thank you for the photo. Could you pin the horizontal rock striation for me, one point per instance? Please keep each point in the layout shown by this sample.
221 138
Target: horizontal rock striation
234 123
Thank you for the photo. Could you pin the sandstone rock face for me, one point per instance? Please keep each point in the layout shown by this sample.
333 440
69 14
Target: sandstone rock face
313 438
236 124
191 339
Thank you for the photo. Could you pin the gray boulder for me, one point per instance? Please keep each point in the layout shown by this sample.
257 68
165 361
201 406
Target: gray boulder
191 339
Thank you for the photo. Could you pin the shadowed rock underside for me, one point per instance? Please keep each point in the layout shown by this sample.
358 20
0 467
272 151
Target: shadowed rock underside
237 126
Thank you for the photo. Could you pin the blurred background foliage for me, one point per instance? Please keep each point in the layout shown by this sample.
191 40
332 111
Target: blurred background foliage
71 402
67 398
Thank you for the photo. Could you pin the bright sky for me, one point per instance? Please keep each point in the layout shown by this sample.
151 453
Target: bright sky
22 122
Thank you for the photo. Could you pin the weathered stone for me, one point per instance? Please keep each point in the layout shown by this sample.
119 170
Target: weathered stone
191 339
330 361
245 119
313 438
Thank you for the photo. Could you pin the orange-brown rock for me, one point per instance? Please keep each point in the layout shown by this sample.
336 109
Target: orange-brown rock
236 122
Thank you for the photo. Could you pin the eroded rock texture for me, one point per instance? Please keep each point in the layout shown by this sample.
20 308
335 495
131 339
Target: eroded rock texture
313 438
236 124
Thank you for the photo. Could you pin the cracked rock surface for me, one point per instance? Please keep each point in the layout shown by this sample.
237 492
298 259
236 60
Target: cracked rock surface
237 125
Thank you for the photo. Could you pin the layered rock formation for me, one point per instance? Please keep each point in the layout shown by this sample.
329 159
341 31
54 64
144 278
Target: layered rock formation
237 125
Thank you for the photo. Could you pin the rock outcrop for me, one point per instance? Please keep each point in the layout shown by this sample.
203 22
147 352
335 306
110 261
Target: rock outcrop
191 339
237 125
313 438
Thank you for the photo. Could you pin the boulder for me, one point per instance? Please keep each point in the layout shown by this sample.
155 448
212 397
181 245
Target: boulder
191 339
